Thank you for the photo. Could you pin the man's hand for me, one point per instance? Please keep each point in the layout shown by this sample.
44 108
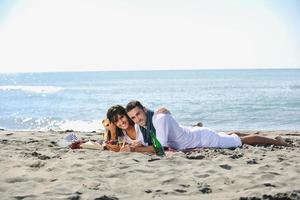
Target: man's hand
162 110
136 143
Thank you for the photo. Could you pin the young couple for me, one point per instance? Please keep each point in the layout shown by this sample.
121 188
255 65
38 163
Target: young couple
135 123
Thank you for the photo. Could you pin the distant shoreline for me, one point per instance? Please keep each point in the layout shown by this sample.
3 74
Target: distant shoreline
166 69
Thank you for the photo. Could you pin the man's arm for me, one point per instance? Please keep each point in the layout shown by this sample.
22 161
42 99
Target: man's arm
162 124
140 149
148 149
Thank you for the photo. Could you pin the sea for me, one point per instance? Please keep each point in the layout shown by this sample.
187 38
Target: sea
265 99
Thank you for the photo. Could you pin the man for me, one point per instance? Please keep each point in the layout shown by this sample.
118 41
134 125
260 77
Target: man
142 117
171 134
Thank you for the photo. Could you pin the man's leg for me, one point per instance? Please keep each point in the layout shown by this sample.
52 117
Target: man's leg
260 140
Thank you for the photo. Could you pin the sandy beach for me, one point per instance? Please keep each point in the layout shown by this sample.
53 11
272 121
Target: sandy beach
33 166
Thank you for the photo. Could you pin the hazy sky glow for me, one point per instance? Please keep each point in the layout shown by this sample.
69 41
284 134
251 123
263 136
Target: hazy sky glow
84 35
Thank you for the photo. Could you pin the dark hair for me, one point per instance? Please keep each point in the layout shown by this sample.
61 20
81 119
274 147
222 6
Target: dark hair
132 104
115 111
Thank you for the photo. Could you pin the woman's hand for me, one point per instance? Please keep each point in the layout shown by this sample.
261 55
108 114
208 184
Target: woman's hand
113 147
125 148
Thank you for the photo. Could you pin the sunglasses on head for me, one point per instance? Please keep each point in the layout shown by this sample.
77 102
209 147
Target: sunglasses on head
105 122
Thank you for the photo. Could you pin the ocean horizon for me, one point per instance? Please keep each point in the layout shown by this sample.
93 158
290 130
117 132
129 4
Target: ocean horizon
227 99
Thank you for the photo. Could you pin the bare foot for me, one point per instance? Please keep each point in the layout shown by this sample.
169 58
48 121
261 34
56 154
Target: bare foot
199 124
281 141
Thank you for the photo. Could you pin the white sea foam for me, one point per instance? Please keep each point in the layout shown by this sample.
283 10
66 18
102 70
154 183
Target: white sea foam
45 124
79 125
28 119
33 89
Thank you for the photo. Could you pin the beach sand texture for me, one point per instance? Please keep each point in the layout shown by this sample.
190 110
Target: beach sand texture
32 166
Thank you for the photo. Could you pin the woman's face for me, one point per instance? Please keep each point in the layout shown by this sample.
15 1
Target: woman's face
122 122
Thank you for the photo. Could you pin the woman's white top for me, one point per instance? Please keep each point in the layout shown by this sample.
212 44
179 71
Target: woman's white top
139 138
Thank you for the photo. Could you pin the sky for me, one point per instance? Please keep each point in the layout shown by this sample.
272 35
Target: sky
96 35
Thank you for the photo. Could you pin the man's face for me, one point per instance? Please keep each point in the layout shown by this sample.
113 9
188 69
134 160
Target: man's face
138 116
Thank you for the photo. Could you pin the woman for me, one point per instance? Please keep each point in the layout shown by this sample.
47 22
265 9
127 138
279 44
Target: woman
125 130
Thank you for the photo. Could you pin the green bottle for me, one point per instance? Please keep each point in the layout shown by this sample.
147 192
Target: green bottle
159 150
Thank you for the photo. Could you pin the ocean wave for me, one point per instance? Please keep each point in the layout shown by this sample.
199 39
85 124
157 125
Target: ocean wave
295 87
33 89
79 125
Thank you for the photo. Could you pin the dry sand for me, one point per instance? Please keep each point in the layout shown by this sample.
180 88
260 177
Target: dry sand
32 166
